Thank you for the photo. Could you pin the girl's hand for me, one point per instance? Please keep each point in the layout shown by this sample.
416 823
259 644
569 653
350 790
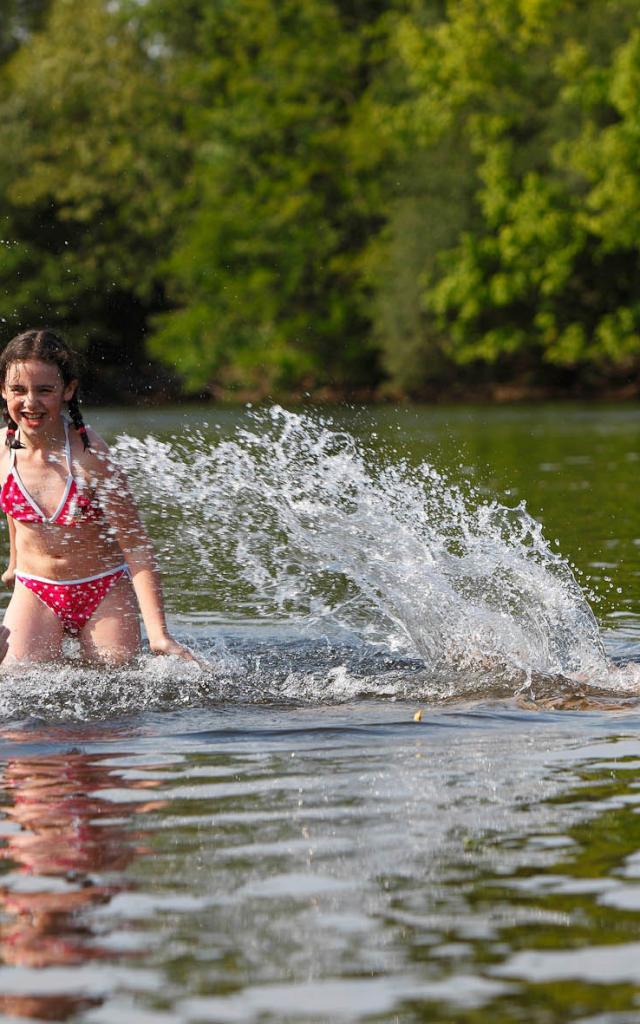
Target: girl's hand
167 645
9 577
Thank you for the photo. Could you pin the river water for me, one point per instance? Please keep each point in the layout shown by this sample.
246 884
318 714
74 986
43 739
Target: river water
403 786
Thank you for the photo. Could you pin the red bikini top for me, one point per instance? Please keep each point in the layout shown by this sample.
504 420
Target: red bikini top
75 508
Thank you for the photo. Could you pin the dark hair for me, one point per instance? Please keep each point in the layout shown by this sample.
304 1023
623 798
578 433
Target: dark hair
48 347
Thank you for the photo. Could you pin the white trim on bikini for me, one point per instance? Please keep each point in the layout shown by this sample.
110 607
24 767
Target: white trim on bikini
34 505
25 493
87 579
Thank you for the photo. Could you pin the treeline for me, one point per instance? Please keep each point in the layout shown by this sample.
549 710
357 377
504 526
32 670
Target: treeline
366 197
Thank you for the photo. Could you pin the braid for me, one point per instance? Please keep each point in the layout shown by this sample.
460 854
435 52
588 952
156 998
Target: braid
77 420
11 441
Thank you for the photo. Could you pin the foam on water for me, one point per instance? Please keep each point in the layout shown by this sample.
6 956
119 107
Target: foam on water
293 522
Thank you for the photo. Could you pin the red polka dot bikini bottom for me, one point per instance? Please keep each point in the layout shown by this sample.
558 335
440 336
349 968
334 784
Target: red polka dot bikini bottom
73 601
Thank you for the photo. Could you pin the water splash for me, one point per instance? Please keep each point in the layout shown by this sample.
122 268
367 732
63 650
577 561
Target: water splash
294 520
308 567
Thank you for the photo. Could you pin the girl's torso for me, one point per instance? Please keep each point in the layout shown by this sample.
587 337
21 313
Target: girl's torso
61 532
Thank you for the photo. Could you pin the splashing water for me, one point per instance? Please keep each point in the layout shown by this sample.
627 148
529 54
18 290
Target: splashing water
294 521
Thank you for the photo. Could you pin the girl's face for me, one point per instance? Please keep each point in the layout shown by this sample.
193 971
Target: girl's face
35 392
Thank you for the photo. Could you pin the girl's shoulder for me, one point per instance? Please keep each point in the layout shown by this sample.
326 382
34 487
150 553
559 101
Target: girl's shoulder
97 444
95 459
5 456
4 451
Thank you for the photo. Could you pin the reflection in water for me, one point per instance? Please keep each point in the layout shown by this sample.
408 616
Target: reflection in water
478 866
59 831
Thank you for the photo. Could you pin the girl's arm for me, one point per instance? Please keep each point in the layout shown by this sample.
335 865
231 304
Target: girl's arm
8 576
125 524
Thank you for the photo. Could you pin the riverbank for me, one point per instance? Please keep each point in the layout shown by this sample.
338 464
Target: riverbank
150 384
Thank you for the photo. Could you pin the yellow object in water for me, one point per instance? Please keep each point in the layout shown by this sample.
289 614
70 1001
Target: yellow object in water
418 716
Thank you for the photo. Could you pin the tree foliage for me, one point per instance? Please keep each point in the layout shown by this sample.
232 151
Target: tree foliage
18 20
90 178
266 273
540 97
357 195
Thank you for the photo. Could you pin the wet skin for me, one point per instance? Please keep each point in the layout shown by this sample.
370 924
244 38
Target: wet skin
35 394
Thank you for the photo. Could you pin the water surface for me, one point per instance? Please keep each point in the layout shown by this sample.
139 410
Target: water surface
406 787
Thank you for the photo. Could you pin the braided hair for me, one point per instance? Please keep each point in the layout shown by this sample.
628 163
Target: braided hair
48 347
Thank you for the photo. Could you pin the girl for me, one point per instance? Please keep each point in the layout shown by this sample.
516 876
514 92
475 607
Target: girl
80 556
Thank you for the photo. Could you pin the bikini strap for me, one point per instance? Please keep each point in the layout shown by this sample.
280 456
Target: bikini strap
12 456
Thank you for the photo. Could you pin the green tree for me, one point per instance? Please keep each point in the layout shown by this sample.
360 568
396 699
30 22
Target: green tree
531 107
18 20
93 160
267 274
